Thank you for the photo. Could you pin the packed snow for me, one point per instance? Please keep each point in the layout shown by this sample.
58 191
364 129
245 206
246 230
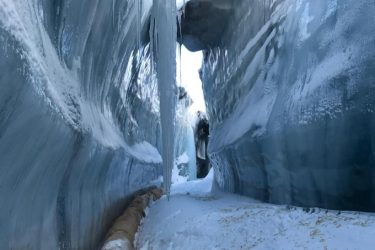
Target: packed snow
200 217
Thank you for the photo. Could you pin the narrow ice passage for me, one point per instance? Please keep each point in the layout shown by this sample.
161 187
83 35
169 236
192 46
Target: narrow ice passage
198 215
92 115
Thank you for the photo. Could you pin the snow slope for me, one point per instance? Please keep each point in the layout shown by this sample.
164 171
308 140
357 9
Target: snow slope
203 220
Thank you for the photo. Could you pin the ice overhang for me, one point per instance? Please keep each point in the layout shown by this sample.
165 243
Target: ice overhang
203 23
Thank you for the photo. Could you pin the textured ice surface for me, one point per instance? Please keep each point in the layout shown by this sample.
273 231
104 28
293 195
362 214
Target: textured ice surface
290 96
289 90
79 118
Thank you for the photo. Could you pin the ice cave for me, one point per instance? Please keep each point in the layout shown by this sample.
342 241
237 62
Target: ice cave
188 124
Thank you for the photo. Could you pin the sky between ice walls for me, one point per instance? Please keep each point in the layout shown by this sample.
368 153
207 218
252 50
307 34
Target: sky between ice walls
188 77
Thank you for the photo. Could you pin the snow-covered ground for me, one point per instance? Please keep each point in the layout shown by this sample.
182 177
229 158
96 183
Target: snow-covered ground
196 218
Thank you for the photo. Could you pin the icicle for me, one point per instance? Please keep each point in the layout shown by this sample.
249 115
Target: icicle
180 62
118 21
164 36
139 20
179 18
113 13
151 34
184 7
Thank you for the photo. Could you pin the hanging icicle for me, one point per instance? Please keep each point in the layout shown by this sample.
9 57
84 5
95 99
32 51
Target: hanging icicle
179 19
184 7
138 7
164 37
113 13
180 64
152 43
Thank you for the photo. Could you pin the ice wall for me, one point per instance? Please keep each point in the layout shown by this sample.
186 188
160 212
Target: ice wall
290 91
79 118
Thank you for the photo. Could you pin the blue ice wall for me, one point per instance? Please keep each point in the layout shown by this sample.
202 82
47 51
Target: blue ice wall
290 95
79 119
